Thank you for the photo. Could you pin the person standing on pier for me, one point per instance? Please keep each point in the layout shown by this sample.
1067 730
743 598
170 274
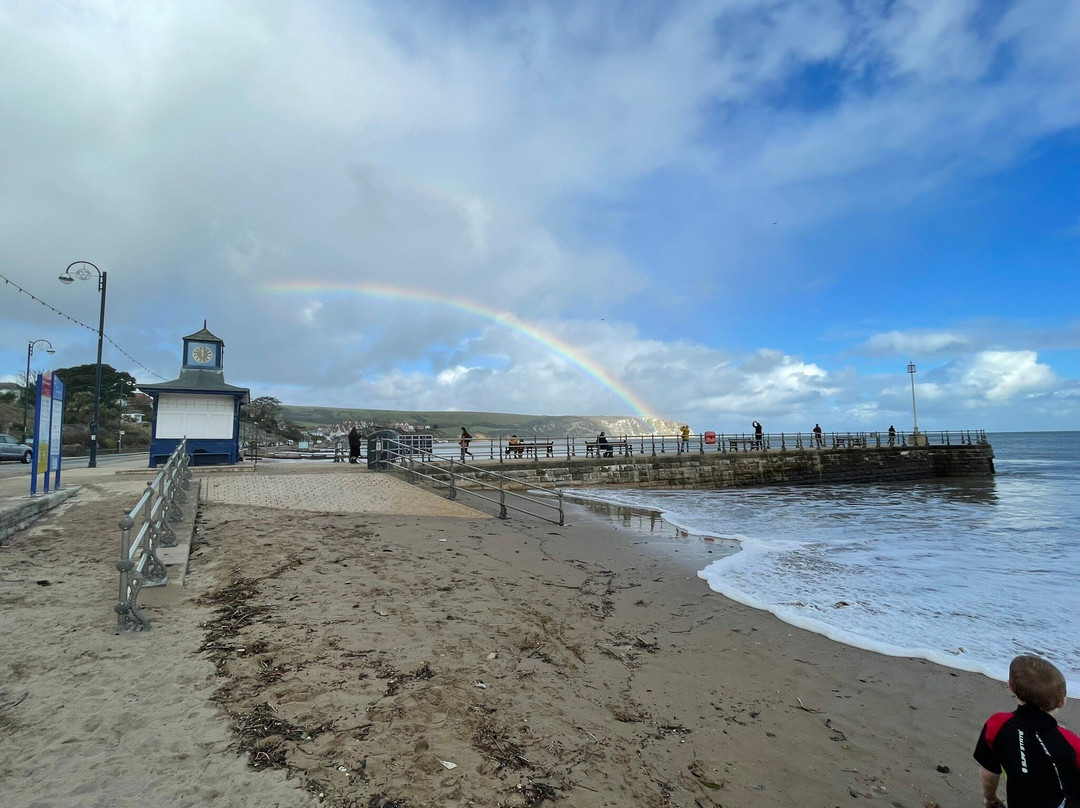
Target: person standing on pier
892 434
817 435
354 445
684 434
463 442
759 436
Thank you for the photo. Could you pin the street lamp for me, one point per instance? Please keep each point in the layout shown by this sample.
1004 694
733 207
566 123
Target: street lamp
123 386
83 274
26 392
914 414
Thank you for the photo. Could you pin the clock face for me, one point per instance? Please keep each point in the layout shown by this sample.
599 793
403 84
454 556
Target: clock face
202 354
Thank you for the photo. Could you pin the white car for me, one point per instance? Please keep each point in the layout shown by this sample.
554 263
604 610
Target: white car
11 449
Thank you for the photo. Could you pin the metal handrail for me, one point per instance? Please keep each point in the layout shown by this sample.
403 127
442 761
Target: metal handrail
536 447
408 457
139 564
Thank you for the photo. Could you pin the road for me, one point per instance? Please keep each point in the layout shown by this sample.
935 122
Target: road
13 468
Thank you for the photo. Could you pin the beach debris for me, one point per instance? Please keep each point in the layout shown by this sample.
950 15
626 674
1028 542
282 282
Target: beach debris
943 769
802 706
442 539
651 647
448 764
380 612
697 768
43 582
492 655
536 793
494 743
343 769
480 685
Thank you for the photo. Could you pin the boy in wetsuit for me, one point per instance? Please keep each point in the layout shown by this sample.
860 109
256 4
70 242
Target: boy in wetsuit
1041 760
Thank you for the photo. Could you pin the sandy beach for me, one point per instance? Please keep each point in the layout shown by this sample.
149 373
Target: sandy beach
391 648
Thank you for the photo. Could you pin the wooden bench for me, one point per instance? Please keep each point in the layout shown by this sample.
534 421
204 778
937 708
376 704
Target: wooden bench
743 444
593 449
530 449
840 441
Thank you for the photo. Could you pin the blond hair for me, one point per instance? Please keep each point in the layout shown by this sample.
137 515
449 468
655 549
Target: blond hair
1033 680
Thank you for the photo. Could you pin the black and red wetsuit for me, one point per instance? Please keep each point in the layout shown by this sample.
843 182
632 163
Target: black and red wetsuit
1041 760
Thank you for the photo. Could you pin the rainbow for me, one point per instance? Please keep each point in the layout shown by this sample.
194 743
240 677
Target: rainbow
546 340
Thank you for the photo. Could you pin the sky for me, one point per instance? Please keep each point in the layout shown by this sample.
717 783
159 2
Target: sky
710 212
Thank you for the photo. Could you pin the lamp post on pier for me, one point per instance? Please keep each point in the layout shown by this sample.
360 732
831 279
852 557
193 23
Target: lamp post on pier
83 274
26 392
914 415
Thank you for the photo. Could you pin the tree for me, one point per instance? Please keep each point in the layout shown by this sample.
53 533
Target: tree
264 412
79 390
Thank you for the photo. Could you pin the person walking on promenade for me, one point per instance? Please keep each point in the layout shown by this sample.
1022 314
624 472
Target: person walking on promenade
1041 760
892 434
463 442
684 434
759 436
354 445
817 435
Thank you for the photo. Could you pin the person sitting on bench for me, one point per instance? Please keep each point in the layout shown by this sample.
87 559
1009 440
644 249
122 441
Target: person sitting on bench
602 446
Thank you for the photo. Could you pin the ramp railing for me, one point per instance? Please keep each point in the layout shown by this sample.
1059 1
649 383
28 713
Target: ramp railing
505 492
139 564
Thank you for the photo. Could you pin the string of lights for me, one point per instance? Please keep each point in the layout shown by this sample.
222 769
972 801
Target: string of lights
9 282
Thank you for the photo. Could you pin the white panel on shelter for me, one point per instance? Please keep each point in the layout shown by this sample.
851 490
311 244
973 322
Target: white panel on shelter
195 417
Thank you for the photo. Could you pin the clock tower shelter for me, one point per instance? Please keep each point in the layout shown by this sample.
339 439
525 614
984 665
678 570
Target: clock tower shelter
198 405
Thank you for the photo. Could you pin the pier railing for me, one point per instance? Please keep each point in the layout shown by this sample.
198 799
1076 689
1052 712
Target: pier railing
537 447
505 493
139 564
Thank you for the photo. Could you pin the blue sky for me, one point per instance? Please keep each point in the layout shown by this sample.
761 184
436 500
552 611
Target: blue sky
728 210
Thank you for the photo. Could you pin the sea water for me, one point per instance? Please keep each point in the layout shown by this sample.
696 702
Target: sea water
963 572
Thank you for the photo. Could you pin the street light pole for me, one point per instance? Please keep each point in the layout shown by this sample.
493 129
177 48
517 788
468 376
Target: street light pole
914 414
82 273
26 392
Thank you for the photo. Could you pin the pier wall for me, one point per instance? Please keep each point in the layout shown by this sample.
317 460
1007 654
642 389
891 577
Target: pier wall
691 470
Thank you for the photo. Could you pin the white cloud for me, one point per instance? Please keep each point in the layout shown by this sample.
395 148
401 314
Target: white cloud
915 344
999 376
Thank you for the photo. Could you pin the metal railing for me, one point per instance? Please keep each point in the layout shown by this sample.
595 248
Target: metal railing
628 446
139 564
483 483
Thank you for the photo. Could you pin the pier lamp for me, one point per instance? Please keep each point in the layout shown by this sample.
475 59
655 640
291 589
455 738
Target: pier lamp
83 274
26 392
914 415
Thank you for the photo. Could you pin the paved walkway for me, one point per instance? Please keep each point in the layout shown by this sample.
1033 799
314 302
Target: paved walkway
329 491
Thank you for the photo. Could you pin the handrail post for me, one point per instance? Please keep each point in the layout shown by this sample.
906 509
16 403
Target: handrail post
502 501
562 513
130 580
453 488
123 566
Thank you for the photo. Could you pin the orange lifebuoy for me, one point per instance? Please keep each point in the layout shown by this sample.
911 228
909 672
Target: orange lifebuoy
710 437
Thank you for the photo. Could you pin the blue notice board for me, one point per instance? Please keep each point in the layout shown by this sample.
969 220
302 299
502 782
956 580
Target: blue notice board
48 432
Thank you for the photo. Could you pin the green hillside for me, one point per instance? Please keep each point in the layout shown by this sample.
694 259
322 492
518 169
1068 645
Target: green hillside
480 424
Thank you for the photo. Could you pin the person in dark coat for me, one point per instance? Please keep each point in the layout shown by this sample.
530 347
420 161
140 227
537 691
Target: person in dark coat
759 436
354 445
602 446
463 442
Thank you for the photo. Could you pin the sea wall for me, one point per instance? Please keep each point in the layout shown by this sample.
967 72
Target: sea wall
692 470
